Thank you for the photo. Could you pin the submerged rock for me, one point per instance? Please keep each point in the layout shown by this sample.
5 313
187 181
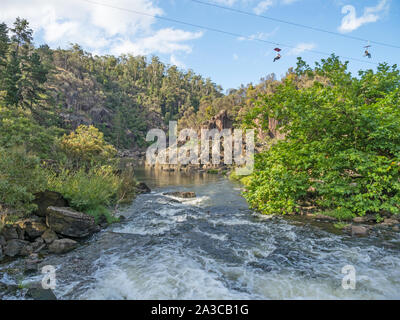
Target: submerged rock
70 223
181 194
62 246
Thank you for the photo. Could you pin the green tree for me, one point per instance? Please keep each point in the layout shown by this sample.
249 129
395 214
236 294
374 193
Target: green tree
341 153
12 77
32 86
4 44
22 35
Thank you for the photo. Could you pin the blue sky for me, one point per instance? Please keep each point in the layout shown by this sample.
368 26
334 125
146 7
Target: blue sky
228 61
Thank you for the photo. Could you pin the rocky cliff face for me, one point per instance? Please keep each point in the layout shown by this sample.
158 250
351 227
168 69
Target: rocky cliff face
80 100
220 121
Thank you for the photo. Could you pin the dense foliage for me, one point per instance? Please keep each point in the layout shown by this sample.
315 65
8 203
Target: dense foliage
86 145
20 177
342 143
39 146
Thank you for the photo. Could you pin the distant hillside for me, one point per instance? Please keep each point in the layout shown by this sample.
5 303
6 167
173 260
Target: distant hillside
123 96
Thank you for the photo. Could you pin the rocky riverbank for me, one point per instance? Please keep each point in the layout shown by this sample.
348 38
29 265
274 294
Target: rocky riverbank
54 228
358 226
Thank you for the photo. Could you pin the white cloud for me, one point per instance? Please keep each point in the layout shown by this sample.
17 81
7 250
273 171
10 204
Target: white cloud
288 1
98 28
263 6
163 41
301 47
259 35
351 22
235 57
229 3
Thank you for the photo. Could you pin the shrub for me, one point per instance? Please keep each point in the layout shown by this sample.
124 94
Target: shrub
86 146
88 191
20 178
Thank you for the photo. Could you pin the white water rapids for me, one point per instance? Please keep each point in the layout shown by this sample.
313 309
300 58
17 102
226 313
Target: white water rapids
214 247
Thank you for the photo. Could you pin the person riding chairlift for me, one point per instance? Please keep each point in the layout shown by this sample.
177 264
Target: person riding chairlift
278 55
367 53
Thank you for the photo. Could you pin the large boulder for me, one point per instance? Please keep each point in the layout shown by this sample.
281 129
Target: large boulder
70 223
16 247
62 246
11 232
33 228
48 199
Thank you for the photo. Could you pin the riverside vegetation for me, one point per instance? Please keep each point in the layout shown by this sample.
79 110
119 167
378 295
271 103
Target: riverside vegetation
340 154
64 113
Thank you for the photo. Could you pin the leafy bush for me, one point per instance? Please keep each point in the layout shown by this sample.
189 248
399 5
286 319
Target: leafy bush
342 147
86 146
20 178
87 191
17 127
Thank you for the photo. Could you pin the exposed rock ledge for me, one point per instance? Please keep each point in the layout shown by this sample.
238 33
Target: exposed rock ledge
70 223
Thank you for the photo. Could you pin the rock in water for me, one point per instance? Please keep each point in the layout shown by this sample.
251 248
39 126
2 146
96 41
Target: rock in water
359 219
69 222
48 199
62 246
16 247
142 188
325 218
181 194
38 293
390 222
359 231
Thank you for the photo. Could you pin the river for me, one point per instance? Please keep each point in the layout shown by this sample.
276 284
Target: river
214 247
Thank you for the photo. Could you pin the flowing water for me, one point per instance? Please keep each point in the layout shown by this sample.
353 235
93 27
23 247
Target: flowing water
214 247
